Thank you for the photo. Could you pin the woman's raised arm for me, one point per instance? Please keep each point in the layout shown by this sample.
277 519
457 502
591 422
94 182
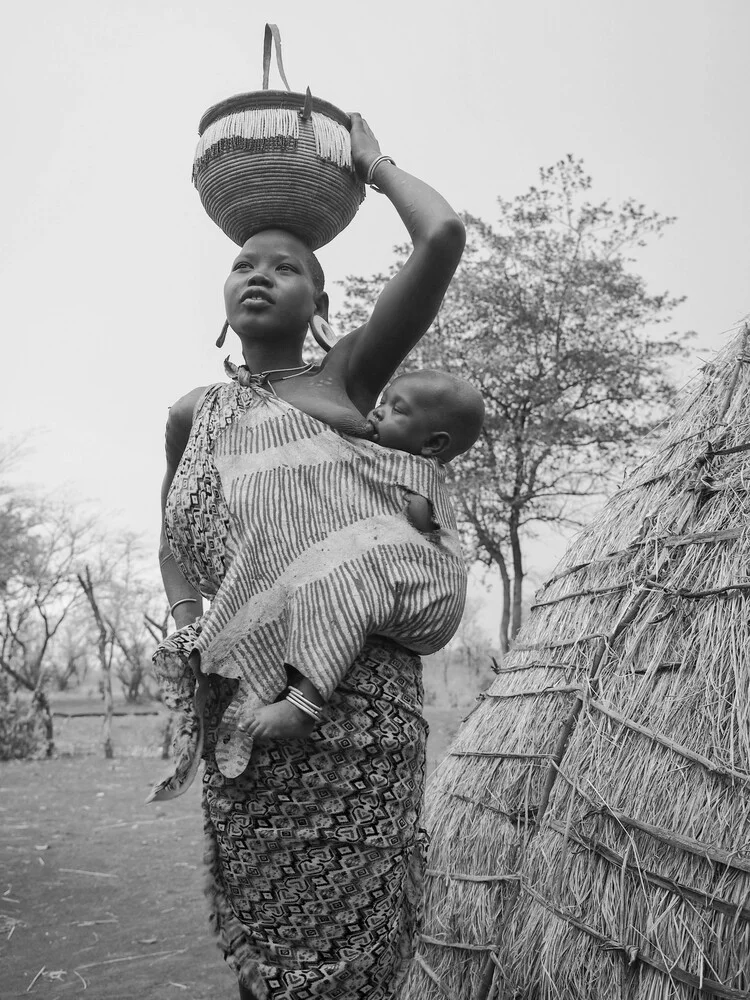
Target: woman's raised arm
410 301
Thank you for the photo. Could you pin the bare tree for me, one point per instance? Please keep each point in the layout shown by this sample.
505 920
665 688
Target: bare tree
50 559
41 545
105 647
158 629
130 603
133 603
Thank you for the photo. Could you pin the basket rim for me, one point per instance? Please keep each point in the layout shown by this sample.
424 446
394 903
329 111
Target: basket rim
270 99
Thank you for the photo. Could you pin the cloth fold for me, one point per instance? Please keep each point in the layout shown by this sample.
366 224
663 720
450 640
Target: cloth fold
185 696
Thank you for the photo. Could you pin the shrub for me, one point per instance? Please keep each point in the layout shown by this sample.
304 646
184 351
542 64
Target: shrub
21 730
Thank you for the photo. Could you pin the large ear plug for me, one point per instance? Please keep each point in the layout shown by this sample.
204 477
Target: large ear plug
223 335
322 332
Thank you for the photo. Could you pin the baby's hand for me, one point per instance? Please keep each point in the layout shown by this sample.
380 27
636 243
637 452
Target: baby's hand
365 147
279 721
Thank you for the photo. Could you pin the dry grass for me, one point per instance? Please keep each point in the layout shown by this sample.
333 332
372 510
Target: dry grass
599 796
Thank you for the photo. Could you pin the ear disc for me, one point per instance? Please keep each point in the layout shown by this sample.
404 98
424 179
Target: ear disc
322 332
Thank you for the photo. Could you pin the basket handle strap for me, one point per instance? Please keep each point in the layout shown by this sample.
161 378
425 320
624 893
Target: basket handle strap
272 35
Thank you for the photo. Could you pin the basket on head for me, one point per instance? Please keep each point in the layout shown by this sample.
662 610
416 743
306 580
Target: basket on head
273 159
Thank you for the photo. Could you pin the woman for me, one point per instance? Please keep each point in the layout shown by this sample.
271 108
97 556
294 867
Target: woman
313 845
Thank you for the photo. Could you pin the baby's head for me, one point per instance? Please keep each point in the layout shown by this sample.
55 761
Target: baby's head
430 413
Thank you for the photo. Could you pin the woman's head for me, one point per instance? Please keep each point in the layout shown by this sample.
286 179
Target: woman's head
275 286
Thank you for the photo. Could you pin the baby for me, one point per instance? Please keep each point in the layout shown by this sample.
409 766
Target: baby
428 413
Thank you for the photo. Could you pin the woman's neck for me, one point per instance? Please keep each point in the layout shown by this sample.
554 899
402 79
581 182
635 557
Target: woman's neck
259 359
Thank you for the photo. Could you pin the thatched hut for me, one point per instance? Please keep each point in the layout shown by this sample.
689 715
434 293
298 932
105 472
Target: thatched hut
590 825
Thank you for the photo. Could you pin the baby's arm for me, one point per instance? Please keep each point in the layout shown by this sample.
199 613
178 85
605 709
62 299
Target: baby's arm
283 720
419 513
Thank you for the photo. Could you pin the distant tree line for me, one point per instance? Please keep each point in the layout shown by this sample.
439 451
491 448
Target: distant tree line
75 601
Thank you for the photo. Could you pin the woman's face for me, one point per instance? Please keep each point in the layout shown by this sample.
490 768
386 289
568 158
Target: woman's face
269 291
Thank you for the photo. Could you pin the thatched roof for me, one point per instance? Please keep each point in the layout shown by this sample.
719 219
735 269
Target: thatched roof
590 824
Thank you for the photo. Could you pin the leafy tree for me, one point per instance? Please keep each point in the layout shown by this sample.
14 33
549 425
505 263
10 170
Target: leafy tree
548 316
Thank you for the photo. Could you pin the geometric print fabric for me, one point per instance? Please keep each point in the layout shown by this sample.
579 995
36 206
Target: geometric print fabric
315 853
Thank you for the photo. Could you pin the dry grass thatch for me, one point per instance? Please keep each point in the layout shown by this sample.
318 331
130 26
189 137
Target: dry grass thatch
591 823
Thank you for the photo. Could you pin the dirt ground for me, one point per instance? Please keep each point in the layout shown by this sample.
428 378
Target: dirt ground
101 895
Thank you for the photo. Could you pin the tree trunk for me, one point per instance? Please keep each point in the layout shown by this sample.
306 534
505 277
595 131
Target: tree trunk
108 702
515 547
42 703
505 613
105 662
495 553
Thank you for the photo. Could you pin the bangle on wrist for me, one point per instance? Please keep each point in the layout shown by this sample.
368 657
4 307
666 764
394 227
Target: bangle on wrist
295 697
185 600
373 166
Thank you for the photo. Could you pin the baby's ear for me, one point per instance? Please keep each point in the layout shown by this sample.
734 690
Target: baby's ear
436 445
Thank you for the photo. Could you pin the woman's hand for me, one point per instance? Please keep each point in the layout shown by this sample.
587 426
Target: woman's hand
365 147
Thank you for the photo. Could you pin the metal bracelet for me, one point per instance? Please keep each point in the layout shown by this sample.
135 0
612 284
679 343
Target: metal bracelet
371 170
185 600
296 698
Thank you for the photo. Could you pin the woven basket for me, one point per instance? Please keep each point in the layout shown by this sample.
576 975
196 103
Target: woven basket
277 159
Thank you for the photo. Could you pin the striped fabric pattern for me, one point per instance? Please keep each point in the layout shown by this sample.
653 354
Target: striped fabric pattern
306 550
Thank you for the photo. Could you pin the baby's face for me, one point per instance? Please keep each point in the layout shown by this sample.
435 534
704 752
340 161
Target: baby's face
405 416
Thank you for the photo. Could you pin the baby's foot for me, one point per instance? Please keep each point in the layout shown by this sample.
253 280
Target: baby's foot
280 721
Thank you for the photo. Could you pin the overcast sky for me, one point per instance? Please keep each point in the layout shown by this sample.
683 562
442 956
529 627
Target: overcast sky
111 274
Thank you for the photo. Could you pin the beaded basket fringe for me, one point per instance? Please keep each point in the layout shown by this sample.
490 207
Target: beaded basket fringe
258 129
268 166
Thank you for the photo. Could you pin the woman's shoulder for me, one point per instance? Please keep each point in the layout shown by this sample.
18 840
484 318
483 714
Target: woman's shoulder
183 409
180 421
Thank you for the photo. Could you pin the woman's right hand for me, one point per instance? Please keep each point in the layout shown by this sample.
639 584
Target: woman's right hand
365 147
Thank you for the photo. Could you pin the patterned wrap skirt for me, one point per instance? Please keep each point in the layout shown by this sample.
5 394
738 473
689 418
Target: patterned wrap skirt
315 854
